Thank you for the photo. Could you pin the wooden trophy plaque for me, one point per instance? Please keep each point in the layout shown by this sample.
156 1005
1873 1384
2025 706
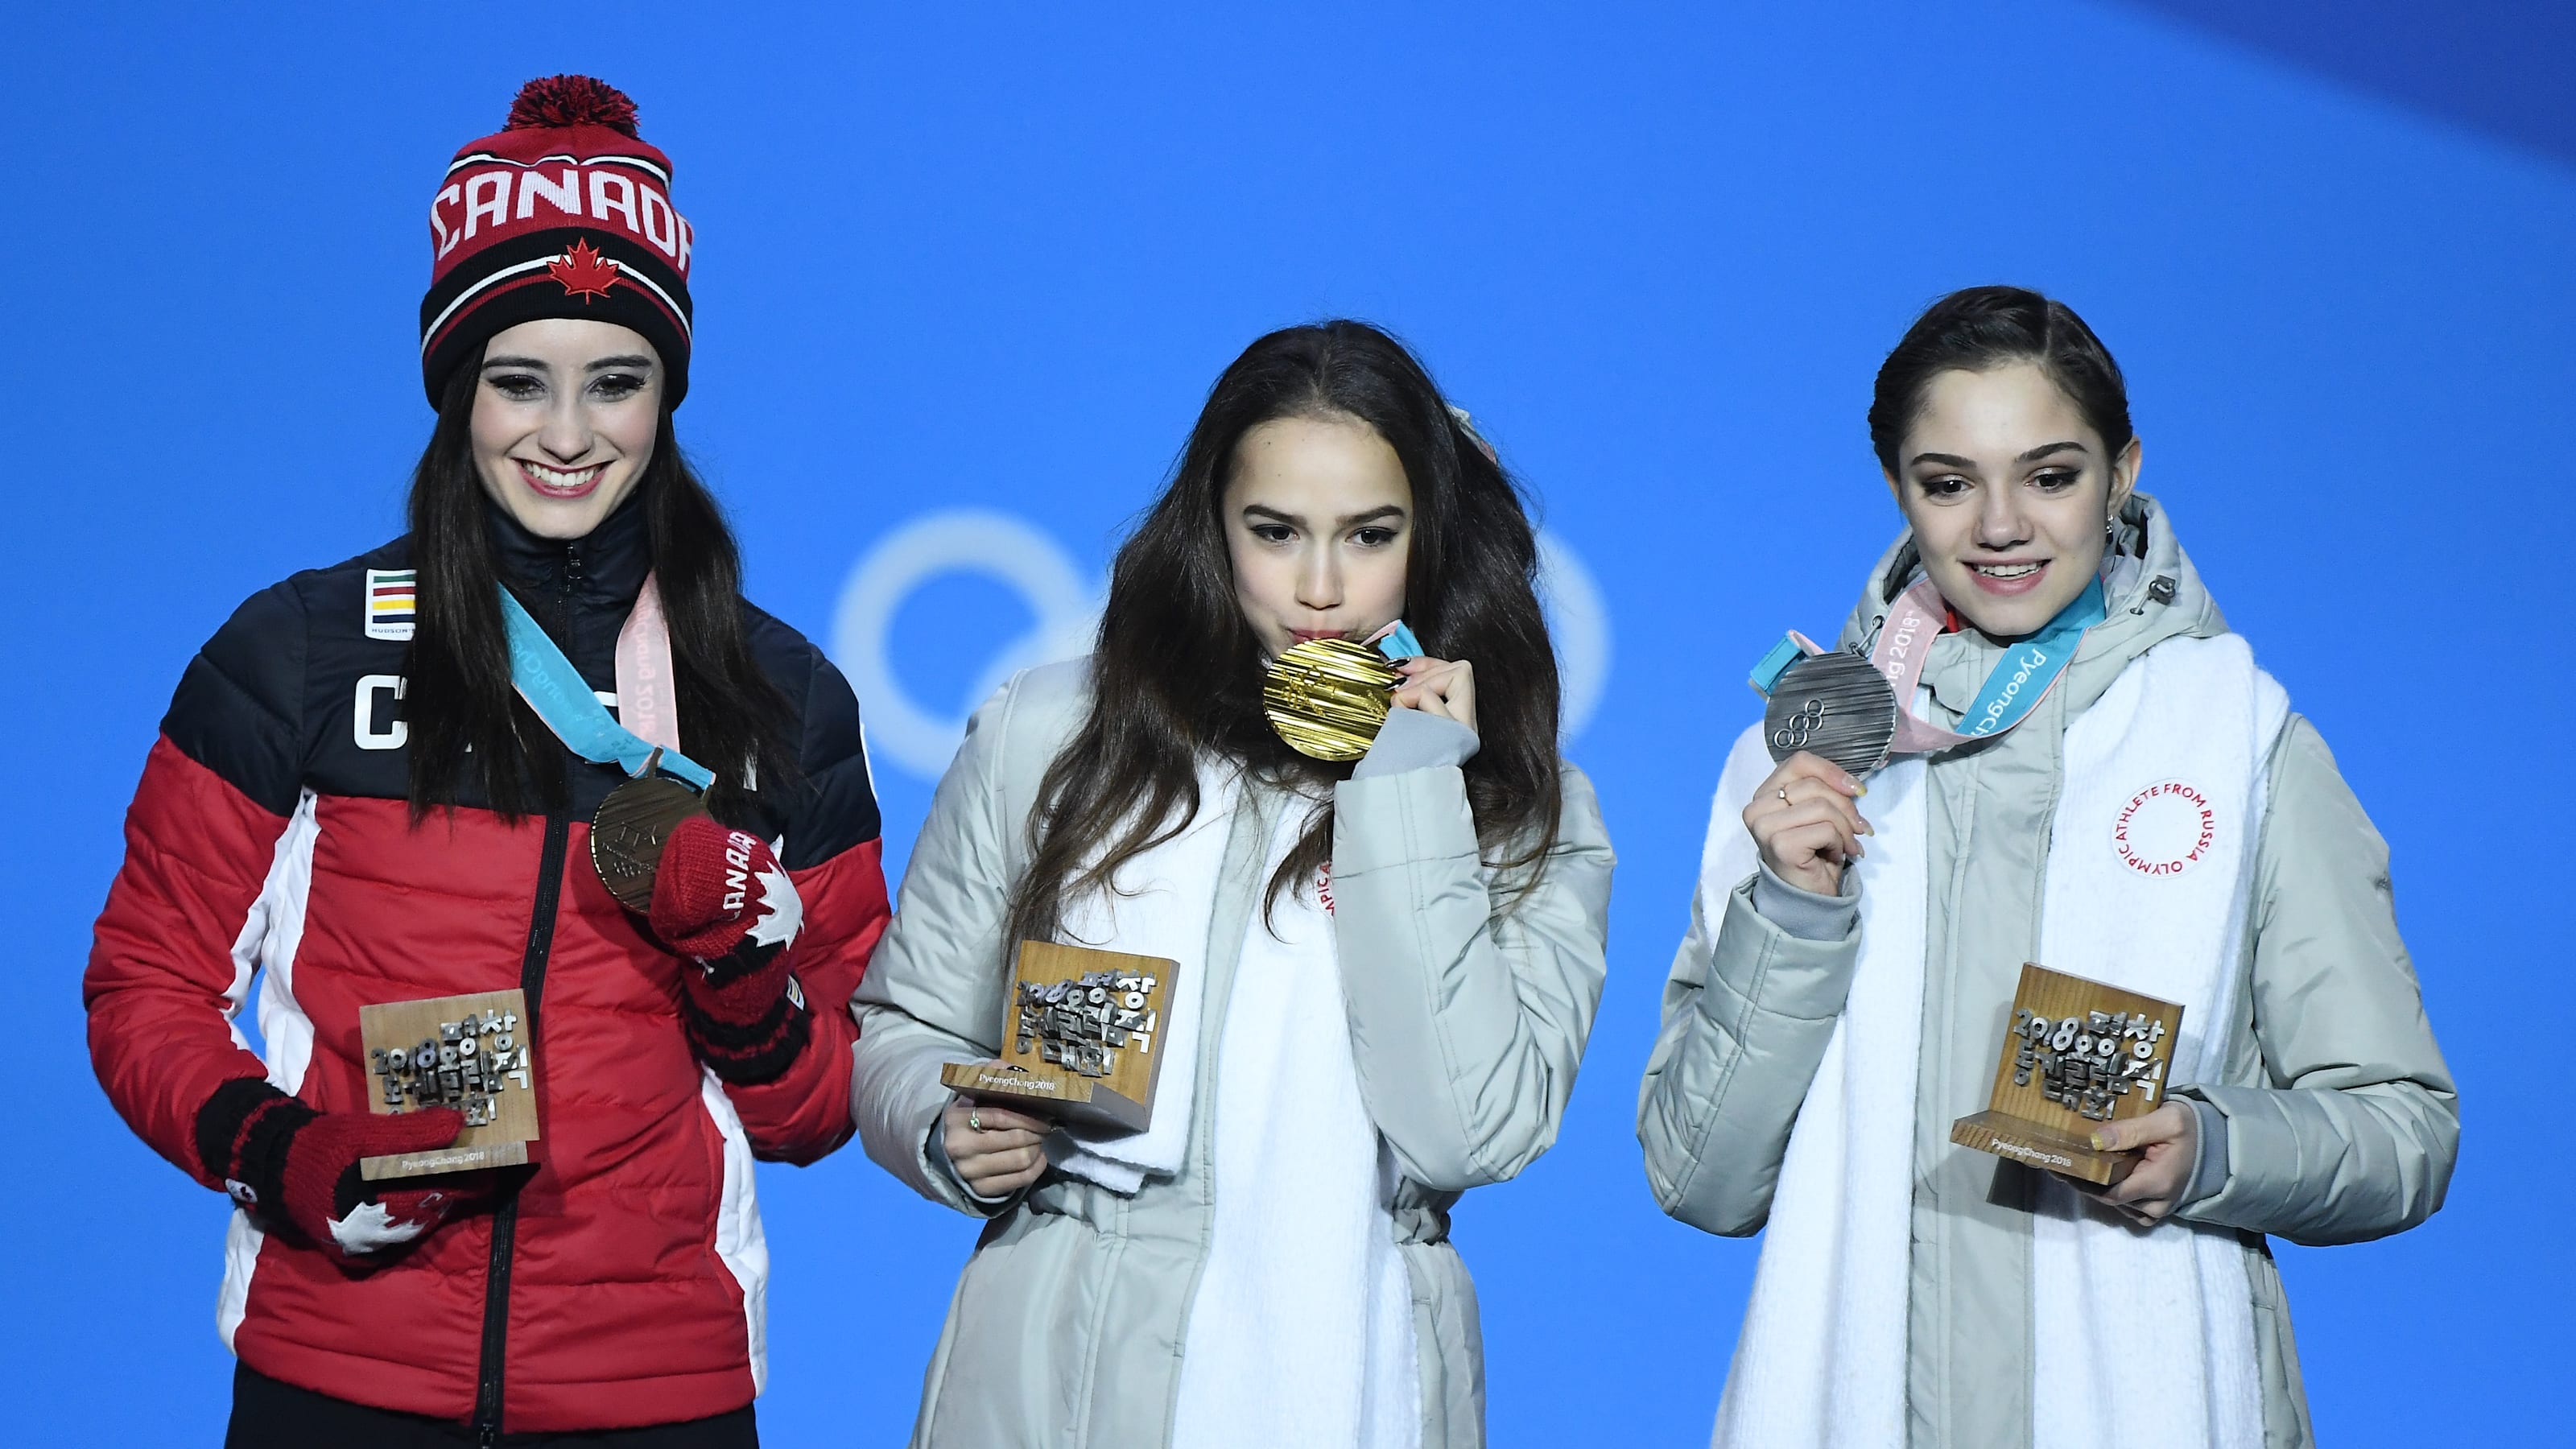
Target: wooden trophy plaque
1082 1029
2079 1053
467 1052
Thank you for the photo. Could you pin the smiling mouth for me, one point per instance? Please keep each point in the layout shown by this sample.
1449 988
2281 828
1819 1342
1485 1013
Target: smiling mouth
560 482
2007 578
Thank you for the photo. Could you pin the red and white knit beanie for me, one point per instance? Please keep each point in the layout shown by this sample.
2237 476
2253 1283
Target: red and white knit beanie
563 213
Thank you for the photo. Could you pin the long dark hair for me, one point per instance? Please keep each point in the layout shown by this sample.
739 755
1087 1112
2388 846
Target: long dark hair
1176 671
1978 328
467 723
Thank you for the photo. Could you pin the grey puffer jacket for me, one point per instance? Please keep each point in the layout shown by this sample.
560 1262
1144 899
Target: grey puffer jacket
2339 1117
1467 1026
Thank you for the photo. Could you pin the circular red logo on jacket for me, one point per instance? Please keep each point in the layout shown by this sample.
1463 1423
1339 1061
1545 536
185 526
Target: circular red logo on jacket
2165 829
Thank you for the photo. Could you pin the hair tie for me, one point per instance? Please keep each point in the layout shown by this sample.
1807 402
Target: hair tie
1467 425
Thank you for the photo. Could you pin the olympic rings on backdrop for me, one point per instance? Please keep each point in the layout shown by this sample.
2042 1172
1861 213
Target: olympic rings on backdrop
1065 605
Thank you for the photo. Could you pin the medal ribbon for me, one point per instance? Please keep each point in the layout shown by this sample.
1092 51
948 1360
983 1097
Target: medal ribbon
648 700
557 692
2028 671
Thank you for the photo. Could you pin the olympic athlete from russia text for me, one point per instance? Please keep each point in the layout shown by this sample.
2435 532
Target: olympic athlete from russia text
2134 803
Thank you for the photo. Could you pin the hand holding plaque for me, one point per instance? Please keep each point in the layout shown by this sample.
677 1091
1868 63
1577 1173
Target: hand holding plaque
2077 1054
1080 1029
468 1053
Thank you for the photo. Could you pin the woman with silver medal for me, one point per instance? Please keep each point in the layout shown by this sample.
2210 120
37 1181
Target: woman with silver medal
2037 742
1380 891
398 781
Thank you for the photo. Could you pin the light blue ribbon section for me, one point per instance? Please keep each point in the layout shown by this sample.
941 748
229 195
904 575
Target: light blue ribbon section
1400 644
1767 669
2031 666
555 690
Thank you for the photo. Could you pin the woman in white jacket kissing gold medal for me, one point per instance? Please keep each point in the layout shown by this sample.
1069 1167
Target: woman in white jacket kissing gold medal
1386 950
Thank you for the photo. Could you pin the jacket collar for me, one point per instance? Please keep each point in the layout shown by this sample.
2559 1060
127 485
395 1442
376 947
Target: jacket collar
607 565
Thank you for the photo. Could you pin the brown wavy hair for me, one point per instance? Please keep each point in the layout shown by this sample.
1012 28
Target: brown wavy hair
1176 670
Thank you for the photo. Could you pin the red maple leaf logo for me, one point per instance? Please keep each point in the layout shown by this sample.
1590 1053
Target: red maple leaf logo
583 271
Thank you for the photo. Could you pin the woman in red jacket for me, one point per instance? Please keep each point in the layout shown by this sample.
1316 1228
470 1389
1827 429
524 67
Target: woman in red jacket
364 789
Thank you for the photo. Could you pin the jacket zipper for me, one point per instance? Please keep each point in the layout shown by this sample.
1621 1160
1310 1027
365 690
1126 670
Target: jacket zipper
532 984
505 1222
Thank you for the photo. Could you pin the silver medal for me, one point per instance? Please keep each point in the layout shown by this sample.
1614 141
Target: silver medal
1834 705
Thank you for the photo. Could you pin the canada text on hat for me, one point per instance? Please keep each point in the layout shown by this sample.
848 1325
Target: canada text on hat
565 212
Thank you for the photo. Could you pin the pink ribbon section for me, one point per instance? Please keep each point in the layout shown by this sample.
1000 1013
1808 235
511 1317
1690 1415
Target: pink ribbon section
648 701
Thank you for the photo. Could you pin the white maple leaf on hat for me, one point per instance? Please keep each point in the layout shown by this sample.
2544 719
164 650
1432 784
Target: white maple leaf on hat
782 911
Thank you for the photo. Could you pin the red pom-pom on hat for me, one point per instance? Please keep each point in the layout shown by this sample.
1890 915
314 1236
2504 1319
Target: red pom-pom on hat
594 234
571 100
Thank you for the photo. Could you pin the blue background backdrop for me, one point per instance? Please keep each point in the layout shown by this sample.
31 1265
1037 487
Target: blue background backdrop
989 258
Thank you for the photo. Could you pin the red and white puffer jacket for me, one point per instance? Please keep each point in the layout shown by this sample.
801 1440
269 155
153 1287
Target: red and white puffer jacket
621 1282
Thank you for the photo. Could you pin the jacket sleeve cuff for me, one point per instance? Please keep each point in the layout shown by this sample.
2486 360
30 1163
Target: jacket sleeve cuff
2209 1163
1756 963
243 1132
1803 913
1413 739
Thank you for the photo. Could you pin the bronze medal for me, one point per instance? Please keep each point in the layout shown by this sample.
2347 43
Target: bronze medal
629 830
1835 705
1327 697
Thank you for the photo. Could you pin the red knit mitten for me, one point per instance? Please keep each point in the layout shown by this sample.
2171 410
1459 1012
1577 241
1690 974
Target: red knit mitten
296 1167
721 898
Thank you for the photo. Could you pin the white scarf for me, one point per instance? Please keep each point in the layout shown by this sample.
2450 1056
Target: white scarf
1301 1330
1161 905
2148 1329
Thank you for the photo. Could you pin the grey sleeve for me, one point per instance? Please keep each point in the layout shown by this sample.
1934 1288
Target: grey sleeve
1470 997
2209 1157
1747 1012
1413 740
933 993
1803 913
2354 1133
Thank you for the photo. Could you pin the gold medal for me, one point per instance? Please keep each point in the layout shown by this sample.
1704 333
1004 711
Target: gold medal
1327 697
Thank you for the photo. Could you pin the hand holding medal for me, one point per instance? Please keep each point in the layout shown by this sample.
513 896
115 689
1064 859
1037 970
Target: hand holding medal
715 896
1833 716
1853 710
1328 697
1804 821
1438 686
